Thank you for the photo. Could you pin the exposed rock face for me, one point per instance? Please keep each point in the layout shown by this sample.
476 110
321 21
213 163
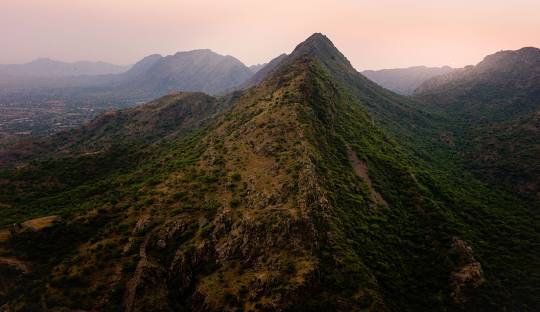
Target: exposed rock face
467 274
262 247
361 170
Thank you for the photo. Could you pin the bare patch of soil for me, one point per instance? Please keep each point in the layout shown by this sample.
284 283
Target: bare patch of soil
361 170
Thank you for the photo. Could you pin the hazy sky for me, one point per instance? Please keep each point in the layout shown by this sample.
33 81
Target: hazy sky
371 33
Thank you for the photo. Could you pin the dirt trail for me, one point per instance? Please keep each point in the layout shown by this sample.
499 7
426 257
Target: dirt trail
39 224
361 170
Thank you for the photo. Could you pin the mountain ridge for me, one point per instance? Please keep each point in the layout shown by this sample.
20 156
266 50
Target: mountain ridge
48 68
272 205
196 70
494 110
201 70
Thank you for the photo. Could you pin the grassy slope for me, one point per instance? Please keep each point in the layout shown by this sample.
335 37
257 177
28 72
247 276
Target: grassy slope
430 205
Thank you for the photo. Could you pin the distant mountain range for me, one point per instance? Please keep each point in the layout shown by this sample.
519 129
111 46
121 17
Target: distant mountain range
255 68
155 75
405 80
47 68
263 72
198 70
80 94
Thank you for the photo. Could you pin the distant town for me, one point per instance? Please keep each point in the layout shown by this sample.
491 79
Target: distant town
40 113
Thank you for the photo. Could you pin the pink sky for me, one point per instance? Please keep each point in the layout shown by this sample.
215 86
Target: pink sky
372 34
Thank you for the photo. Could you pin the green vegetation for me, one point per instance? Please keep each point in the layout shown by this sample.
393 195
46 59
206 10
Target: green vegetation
315 190
428 208
492 114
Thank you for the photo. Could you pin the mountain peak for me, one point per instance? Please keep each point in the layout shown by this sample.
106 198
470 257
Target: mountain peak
321 48
315 44
196 51
44 60
524 58
529 50
318 37
529 53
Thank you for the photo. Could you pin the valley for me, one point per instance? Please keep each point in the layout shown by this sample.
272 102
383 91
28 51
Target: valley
40 113
45 97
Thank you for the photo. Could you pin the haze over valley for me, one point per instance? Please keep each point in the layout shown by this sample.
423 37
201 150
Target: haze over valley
291 175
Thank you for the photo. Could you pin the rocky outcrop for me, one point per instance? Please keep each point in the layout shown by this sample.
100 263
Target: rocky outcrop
467 274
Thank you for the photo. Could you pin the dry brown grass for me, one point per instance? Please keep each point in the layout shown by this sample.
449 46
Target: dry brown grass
39 224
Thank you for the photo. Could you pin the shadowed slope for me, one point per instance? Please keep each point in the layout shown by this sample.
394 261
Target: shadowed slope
492 109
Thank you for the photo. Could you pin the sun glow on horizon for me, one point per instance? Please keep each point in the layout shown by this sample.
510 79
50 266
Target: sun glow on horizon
385 34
